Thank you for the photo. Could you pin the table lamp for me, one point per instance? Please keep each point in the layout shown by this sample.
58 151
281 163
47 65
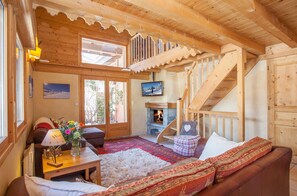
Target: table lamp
52 139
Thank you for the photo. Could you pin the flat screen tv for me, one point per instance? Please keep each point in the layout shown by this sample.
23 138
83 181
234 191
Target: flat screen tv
152 88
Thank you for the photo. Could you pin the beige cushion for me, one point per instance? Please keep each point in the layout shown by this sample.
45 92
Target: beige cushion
41 187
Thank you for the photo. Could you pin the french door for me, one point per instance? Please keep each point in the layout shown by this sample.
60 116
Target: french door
106 105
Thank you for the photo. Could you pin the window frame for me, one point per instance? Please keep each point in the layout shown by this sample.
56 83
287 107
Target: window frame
97 66
6 144
3 133
23 125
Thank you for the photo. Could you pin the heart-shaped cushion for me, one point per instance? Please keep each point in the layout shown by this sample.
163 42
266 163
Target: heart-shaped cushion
187 128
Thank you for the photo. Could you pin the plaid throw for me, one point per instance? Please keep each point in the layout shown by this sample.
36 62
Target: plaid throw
185 145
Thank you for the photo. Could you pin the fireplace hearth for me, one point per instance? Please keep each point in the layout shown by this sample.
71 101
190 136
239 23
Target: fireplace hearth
159 115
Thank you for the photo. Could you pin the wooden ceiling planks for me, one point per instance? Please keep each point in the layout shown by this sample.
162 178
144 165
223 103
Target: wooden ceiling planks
286 11
259 14
225 15
186 16
130 22
218 11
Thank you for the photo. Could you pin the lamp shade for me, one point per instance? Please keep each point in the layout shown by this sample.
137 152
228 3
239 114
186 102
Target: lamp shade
53 137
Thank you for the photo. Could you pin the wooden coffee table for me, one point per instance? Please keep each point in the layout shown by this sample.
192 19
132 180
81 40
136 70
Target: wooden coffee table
86 160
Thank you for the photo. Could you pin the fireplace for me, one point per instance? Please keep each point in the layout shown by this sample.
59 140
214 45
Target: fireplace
159 115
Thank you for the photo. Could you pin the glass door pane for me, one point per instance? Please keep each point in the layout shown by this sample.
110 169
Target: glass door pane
117 102
94 102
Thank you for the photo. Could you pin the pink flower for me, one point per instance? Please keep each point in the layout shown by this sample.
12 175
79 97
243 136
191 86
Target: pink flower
68 131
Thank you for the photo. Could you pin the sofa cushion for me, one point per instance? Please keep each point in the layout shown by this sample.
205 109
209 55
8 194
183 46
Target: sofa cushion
239 157
39 134
217 145
189 178
169 167
39 186
93 133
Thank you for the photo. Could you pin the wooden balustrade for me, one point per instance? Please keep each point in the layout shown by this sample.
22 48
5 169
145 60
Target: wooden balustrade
144 48
219 122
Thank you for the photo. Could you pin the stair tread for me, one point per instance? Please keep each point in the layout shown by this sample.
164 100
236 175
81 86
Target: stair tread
170 137
173 128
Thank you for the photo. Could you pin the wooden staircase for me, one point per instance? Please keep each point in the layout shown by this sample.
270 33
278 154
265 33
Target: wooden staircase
209 78
226 86
217 78
168 133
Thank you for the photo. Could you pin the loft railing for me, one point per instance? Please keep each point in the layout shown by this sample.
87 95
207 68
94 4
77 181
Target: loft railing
144 48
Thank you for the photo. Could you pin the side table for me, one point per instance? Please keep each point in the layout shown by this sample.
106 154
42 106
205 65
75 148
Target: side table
86 160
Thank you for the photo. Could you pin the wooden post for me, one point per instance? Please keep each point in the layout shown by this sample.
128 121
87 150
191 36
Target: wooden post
271 98
241 60
187 114
179 117
188 92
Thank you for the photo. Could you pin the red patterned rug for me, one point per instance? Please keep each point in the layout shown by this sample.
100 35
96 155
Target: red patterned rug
164 153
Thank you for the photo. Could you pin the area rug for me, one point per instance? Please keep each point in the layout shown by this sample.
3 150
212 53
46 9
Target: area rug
125 165
116 145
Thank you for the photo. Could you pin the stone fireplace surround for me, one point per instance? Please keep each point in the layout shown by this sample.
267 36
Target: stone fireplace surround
169 114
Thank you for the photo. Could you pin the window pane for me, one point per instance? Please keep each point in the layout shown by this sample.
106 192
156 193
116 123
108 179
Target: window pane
94 102
19 81
3 129
103 53
118 102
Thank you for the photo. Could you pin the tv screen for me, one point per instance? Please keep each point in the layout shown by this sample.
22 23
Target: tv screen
152 88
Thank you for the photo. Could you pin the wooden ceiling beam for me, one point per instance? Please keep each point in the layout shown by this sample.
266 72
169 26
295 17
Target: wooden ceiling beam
266 19
131 21
155 70
190 18
78 70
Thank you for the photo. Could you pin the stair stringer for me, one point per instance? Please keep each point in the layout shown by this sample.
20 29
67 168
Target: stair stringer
229 83
226 65
167 132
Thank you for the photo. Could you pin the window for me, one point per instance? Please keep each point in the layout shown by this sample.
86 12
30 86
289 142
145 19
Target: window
3 98
20 113
103 53
118 102
94 102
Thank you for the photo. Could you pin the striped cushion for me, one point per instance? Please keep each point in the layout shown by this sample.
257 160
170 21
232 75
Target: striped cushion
188 178
239 157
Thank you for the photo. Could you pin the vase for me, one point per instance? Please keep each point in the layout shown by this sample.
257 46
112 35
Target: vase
75 148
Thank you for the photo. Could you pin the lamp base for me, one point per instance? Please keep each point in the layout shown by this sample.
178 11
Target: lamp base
55 164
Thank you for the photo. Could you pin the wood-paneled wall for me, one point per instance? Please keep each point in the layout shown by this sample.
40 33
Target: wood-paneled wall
60 37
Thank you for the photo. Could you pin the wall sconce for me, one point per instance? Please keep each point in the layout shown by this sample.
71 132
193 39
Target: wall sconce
35 54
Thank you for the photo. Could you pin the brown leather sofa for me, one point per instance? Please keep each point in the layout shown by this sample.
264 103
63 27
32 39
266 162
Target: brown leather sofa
268 175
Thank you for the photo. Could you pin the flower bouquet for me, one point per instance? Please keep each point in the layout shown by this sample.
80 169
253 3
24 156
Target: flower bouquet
72 132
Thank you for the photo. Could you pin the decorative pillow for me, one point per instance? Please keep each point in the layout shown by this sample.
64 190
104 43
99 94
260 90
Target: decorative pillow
217 145
43 120
239 157
42 187
188 128
186 179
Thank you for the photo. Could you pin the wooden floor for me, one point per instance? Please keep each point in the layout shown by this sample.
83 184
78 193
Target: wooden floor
293 177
